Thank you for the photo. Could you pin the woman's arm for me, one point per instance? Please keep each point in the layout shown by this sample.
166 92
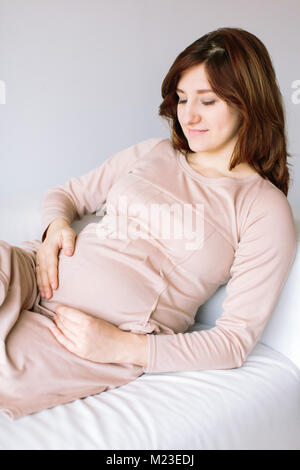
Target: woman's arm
85 194
135 348
263 259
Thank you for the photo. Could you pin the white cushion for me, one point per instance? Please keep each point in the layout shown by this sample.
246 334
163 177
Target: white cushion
253 407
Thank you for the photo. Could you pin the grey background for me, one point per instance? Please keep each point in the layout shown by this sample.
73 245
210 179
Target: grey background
83 78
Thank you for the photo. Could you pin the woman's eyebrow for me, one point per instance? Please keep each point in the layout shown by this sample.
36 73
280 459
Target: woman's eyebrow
197 91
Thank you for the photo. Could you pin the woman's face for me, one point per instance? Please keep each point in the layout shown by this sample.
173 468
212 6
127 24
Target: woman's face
205 111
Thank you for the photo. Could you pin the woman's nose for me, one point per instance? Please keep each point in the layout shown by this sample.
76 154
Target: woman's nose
191 115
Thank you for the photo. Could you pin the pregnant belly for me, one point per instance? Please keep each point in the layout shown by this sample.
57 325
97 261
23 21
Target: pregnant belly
107 279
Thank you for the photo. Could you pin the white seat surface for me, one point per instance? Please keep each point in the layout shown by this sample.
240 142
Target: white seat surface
256 406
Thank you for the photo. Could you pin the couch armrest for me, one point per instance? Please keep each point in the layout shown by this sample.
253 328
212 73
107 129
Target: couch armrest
283 329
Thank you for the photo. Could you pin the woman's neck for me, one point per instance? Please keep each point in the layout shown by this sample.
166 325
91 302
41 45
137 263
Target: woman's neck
211 170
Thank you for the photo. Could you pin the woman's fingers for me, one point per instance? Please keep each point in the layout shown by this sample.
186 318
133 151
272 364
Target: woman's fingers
42 281
53 272
47 260
46 284
46 272
68 241
39 279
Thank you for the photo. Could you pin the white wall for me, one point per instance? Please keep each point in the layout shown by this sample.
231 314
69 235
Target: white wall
83 77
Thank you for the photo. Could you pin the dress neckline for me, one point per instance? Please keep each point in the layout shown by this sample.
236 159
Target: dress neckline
207 179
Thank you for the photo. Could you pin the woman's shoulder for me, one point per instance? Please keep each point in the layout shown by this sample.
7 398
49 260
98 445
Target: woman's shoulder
270 212
144 149
269 198
152 142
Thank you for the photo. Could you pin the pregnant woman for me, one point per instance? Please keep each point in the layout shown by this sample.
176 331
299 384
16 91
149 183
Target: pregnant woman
121 302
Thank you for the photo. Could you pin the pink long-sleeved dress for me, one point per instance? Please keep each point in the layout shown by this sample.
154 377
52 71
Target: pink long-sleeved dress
168 239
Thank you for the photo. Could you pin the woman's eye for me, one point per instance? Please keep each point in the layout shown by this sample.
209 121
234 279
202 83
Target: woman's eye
206 103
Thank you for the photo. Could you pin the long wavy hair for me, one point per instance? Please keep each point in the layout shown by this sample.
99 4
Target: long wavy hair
240 71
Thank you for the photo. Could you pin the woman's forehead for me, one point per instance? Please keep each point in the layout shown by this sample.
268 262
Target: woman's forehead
194 78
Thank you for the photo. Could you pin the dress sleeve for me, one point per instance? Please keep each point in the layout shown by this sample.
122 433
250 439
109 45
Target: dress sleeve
263 258
85 194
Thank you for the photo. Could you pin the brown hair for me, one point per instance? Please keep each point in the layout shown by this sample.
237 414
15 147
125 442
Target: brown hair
240 72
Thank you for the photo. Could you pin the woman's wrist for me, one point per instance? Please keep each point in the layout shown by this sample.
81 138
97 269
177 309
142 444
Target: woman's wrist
59 222
135 348
56 224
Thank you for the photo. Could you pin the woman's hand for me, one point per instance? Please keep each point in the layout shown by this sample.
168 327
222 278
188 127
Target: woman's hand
59 236
97 340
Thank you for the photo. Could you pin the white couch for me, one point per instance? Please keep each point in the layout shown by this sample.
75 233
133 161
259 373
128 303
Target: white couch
256 406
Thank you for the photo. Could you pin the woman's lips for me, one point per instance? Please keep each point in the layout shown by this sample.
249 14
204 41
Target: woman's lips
193 132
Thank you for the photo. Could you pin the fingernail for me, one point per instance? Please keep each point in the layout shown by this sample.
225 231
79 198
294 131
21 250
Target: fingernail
53 285
68 251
